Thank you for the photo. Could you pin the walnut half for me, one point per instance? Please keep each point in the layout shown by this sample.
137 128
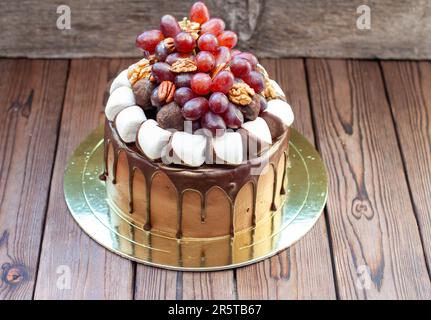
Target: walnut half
241 93
140 70
184 65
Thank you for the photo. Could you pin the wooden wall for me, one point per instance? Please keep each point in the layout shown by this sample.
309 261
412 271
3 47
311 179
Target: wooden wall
271 28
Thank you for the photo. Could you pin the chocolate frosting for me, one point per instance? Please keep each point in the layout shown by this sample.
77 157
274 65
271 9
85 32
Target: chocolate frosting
230 179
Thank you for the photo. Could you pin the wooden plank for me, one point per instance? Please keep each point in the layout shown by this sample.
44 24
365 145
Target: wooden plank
95 273
375 239
157 284
160 284
272 28
209 285
408 85
303 271
31 95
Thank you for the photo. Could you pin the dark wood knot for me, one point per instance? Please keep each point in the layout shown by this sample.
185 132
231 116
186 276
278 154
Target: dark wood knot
362 207
14 274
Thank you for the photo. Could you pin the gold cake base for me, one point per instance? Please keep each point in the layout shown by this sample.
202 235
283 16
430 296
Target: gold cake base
86 198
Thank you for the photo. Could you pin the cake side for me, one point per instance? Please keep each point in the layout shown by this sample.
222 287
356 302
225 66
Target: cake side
204 202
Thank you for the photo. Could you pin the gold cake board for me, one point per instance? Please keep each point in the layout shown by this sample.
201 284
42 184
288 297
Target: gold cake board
86 198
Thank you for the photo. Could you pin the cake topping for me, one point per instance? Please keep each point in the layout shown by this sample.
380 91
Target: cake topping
252 110
200 46
241 93
199 13
142 69
184 65
142 91
191 71
166 91
128 121
188 149
152 139
170 117
228 148
190 27
120 99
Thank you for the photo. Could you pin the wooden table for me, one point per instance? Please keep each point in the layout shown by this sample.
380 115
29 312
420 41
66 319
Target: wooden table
370 120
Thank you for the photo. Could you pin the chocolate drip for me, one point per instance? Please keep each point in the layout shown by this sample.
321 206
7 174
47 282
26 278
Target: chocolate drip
131 175
253 219
106 142
283 181
148 182
203 212
274 187
180 215
227 178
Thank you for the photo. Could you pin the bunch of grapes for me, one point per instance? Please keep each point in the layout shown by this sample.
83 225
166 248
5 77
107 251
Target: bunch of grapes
202 94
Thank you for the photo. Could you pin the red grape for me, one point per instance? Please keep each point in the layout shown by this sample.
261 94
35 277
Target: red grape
148 40
263 103
182 95
169 26
196 125
222 55
228 39
255 80
240 67
155 101
218 102
222 82
249 57
233 116
205 61
170 59
195 108
208 42
161 51
234 52
201 83
162 71
199 12
183 80
214 26
213 122
184 42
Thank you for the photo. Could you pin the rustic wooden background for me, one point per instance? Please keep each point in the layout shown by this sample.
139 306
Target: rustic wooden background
270 28
370 120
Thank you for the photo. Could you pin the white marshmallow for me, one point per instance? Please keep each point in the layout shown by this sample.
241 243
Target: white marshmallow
261 69
280 109
152 139
120 99
278 91
120 81
228 148
128 121
259 129
189 148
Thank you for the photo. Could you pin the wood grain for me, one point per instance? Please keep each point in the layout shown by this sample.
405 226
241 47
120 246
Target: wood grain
303 271
271 28
95 273
31 95
157 284
408 85
375 239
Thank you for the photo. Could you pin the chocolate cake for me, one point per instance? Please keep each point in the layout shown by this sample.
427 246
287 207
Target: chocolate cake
196 133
